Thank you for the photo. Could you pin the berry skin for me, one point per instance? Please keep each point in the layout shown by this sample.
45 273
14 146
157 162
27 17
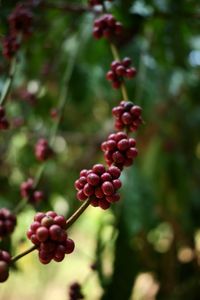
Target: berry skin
7 222
28 192
98 184
122 154
4 124
127 116
106 26
4 265
43 150
120 70
48 233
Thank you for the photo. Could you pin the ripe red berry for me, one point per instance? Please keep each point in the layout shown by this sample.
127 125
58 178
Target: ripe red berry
42 150
4 265
8 222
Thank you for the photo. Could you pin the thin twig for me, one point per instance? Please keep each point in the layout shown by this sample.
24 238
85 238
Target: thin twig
78 213
8 83
17 257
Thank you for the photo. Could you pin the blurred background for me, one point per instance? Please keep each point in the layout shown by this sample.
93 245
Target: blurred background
147 246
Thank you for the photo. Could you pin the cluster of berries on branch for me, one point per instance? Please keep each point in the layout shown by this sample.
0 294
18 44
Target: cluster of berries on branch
100 185
75 292
20 20
7 222
119 71
4 124
48 234
5 259
106 26
42 150
20 26
29 192
119 150
10 46
127 116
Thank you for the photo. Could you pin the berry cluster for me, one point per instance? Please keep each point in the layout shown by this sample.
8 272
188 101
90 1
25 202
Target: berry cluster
10 46
29 192
127 116
7 222
106 26
75 292
20 20
100 185
4 265
4 124
119 70
48 233
119 150
43 150
20 24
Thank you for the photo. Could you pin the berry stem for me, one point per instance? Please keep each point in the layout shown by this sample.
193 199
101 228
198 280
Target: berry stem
8 83
78 213
17 257
114 51
20 206
116 56
124 92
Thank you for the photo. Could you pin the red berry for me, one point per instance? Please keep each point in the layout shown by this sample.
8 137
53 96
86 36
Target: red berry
42 234
4 271
69 246
107 188
93 179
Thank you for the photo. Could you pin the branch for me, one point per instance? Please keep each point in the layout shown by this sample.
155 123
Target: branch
8 83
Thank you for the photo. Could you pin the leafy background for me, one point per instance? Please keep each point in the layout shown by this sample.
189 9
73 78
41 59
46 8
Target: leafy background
148 245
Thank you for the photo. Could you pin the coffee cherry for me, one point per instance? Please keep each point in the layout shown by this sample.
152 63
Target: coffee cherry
7 222
127 116
4 265
106 26
4 124
28 192
10 47
20 20
122 152
47 232
119 71
75 292
97 184
42 150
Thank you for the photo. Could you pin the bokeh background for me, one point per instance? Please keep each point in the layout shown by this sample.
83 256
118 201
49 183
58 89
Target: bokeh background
147 246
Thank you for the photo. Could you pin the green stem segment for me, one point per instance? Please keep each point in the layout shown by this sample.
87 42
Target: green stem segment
8 83
17 257
116 56
78 213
